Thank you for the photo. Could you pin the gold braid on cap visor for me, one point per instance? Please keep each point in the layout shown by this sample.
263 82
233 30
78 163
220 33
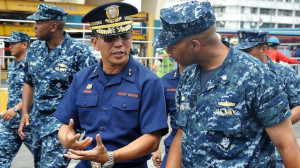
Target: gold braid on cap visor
113 28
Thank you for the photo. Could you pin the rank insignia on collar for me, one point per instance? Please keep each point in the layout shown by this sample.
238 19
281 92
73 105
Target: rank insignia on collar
89 86
175 74
226 104
129 72
95 70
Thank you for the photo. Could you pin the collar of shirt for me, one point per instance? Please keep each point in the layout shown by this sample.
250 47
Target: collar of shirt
60 49
128 73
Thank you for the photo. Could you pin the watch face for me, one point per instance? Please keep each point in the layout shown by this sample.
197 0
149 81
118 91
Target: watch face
16 109
96 165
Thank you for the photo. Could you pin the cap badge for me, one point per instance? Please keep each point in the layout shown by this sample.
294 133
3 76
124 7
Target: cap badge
112 13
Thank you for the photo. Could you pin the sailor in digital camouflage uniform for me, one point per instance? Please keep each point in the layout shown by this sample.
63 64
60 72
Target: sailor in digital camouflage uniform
51 62
118 99
229 107
10 142
255 43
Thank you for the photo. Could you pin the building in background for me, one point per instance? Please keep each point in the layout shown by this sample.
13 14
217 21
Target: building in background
245 14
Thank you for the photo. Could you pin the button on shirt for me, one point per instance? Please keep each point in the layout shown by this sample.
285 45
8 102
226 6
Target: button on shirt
134 105
51 73
15 81
223 122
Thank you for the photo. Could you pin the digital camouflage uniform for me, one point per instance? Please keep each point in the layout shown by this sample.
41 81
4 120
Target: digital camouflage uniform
290 84
286 77
10 142
50 72
223 123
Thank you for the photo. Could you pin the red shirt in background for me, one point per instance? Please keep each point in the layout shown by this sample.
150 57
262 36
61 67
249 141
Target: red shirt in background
278 56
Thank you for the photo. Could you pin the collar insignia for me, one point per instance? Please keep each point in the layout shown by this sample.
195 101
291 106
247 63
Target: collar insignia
129 72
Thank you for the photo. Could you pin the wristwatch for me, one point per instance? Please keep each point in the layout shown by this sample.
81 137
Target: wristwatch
109 164
111 161
16 109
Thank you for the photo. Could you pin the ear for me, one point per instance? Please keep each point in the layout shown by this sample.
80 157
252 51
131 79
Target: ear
264 50
195 45
54 27
94 42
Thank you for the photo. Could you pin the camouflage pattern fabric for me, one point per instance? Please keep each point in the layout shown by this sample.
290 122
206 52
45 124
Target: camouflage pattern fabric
15 81
250 38
10 142
49 12
194 16
223 123
290 83
50 72
18 37
290 79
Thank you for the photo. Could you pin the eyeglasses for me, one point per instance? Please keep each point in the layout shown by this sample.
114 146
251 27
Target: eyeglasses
110 39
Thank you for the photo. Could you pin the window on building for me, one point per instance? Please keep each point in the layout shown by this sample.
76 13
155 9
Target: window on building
219 9
220 24
288 0
242 9
267 25
267 11
254 10
284 25
285 12
297 25
297 1
297 13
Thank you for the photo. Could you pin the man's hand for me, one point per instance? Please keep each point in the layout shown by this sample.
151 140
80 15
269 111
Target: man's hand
9 114
24 122
156 158
68 138
98 154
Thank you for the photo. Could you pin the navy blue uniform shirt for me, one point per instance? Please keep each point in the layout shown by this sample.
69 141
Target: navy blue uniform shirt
125 108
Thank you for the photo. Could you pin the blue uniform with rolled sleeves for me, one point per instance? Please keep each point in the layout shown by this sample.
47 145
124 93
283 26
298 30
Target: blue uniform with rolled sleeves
170 82
120 110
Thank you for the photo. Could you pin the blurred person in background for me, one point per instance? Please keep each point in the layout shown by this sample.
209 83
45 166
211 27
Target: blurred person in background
275 55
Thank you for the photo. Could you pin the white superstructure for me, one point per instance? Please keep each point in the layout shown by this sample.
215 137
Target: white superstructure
245 14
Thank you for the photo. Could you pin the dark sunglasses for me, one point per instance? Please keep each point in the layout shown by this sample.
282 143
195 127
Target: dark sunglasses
110 39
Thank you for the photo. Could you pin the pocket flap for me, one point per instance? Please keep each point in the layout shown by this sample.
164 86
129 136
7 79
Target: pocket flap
87 100
126 104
